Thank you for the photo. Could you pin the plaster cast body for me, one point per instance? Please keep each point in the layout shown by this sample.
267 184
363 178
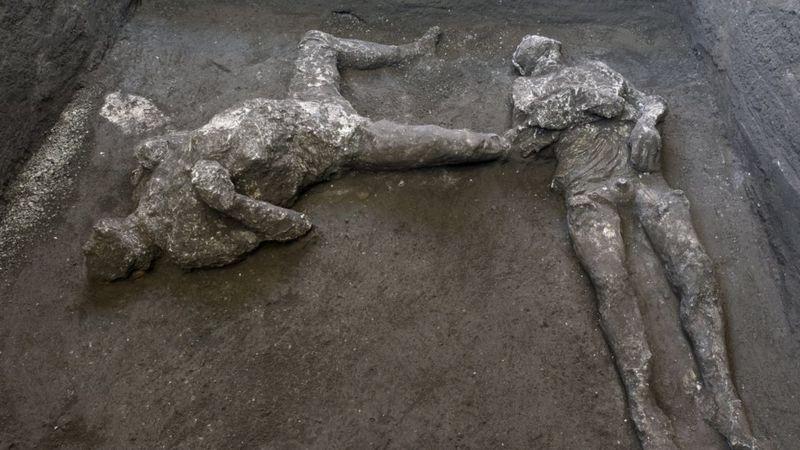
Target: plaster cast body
603 133
209 196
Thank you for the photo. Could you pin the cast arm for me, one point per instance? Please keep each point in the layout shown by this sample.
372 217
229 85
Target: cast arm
528 138
212 183
645 140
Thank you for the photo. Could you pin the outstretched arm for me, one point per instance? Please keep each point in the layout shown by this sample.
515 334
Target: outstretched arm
530 140
645 140
527 136
212 183
386 145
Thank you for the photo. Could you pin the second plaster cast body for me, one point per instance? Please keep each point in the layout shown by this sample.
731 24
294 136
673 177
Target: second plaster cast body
603 133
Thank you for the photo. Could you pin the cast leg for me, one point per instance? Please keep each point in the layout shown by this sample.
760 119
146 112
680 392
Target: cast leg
664 213
387 145
369 55
117 248
212 183
595 230
320 54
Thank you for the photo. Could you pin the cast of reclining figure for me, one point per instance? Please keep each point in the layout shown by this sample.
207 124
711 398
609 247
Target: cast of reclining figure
208 197
603 134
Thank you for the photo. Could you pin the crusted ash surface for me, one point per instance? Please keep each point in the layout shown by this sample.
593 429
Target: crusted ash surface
45 46
46 179
753 53
430 308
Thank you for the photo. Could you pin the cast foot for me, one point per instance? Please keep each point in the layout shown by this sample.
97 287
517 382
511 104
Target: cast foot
427 43
653 425
657 433
731 422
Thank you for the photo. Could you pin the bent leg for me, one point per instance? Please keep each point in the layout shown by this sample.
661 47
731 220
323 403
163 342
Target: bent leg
320 54
665 215
213 185
117 248
316 75
370 55
594 227
386 145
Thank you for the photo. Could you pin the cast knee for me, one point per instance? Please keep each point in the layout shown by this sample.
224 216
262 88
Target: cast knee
700 308
614 292
635 363
694 274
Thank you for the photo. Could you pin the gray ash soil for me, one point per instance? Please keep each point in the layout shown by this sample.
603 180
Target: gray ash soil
431 308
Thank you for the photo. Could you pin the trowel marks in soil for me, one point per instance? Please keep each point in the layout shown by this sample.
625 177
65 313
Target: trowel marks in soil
133 114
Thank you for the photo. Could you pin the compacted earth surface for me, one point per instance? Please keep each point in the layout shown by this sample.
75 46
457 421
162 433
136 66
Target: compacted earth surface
430 308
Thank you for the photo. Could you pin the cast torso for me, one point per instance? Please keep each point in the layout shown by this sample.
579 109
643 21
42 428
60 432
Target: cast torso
587 104
592 153
272 149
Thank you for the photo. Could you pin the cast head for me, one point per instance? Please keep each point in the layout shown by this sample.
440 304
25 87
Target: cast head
116 249
536 54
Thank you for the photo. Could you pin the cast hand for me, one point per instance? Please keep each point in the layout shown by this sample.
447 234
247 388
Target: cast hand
296 225
496 144
645 147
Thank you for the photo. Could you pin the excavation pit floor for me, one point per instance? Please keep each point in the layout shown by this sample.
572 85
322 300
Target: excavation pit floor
432 308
